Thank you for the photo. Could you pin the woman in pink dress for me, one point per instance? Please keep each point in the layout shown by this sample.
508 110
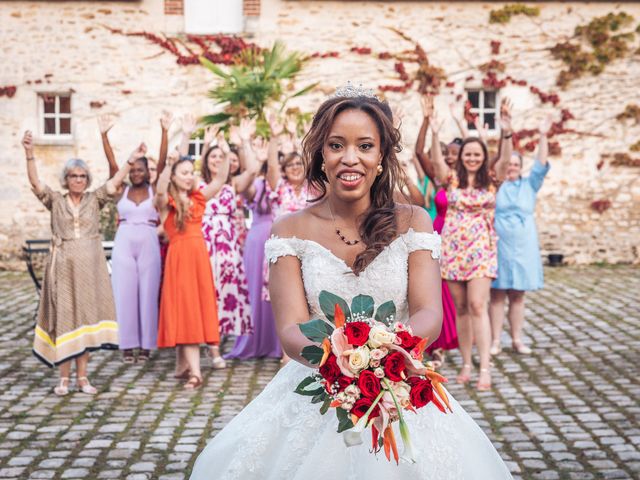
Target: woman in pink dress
219 227
469 242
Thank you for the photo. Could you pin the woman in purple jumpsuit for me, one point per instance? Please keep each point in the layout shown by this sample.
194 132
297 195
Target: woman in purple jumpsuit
136 266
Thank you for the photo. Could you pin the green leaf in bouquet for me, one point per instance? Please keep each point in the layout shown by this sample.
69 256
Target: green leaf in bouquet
344 420
362 304
316 330
324 408
386 313
312 382
215 118
320 397
312 353
328 303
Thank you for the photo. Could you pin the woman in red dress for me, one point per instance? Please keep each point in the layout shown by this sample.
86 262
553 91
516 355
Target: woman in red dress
188 309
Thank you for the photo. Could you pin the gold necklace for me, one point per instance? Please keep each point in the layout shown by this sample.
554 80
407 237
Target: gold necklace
338 232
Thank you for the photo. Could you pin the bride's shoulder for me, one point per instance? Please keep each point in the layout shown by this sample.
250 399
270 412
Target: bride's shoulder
411 217
291 225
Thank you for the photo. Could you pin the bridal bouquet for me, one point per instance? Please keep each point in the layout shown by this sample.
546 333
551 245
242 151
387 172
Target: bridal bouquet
371 371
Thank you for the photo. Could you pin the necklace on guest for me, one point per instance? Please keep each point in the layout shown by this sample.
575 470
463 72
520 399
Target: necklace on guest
338 232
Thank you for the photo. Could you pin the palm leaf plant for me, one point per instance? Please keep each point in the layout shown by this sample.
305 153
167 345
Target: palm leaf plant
260 79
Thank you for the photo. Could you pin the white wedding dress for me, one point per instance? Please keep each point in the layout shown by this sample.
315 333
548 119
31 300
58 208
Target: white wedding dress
282 435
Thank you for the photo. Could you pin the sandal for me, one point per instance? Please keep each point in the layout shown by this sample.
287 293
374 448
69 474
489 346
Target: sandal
520 348
62 388
462 378
127 356
437 358
144 355
186 375
486 385
86 387
193 383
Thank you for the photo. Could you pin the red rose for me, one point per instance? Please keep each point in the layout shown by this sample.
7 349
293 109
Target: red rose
330 371
421 392
394 366
408 341
344 382
357 333
362 405
369 384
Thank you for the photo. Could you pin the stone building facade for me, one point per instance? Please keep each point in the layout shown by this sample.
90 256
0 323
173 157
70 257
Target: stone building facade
75 56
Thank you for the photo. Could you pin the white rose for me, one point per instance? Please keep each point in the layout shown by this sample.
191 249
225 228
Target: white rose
379 336
379 372
359 359
352 391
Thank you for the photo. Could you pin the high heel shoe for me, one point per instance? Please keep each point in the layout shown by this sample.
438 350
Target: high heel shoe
486 385
62 388
464 378
496 349
194 383
86 387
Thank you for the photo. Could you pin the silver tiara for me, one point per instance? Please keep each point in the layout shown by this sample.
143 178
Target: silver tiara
351 91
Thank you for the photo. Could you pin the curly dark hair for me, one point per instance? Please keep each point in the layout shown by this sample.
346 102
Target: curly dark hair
378 225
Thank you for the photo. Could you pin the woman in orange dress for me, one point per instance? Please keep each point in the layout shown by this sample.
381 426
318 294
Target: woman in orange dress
188 309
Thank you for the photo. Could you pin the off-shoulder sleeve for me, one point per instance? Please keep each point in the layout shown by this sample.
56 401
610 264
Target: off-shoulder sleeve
423 241
47 196
277 247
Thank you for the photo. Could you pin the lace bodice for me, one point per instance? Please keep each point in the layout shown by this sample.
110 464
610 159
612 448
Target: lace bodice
385 278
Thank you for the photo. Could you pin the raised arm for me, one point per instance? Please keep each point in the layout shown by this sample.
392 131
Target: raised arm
506 140
483 130
188 127
165 123
248 159
105 123
440 168
218 181
543 143
426 101
32 171
161 199
464 133
273 162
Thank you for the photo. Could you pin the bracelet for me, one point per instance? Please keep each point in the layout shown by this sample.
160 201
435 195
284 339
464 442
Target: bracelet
506 137
30 158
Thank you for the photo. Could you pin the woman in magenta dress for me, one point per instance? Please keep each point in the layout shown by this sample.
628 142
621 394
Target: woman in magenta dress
448 339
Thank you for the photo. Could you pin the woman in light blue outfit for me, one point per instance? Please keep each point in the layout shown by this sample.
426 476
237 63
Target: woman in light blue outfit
519 262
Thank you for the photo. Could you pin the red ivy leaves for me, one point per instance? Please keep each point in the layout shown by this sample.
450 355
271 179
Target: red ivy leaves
8 91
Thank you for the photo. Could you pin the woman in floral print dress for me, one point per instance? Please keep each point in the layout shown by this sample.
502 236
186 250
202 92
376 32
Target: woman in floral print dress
469 242
222 236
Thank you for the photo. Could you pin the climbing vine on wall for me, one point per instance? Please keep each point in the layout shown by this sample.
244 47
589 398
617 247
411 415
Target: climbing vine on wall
595 45
504 14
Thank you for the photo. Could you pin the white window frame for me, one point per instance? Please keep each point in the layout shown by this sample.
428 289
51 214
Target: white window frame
198 144
481 110
209 17
54 138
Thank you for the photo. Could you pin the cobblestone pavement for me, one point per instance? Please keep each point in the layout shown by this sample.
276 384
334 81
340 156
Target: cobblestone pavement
569 411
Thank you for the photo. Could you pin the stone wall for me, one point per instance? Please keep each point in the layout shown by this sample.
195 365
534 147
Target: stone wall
63 46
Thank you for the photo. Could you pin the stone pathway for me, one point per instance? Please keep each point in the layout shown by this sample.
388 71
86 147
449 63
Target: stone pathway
569 411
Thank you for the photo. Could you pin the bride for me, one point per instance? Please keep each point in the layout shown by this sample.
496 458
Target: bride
354 239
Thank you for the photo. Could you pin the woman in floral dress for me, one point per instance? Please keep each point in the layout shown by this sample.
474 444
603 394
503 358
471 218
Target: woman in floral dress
222 236
469 242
